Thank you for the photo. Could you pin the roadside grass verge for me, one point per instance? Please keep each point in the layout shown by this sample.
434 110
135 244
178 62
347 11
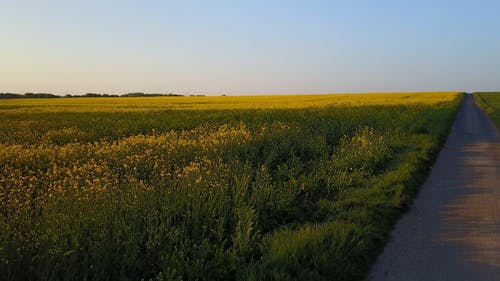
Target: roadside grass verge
490 103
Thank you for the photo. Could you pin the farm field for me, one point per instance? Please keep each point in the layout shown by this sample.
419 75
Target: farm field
490 102
210 188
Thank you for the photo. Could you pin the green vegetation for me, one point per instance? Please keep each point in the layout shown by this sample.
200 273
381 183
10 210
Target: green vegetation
290 193
490 102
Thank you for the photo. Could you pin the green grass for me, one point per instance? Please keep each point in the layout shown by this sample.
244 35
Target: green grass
490 103
235 194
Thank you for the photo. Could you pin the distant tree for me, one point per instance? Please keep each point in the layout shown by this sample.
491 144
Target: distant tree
46 95
10 96
92 95
27 95
40 95
134 95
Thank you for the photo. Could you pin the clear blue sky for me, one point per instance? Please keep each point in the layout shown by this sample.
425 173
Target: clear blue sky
248 47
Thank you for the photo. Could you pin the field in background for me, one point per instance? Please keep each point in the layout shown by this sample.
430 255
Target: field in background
125 104
210 188
490 102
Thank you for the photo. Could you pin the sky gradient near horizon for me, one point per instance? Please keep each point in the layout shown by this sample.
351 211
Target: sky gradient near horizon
248 47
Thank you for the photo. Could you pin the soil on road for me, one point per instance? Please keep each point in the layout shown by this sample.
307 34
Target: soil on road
452 231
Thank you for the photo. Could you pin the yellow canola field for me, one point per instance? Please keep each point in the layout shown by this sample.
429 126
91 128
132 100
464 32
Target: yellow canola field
117 104
170 188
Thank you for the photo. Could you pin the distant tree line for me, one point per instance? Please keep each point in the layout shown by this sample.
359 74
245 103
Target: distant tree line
87 95
151 95
27 95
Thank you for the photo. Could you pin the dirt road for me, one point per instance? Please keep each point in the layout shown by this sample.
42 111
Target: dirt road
452 231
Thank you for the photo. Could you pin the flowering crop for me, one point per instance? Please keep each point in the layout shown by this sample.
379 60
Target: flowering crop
207 188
